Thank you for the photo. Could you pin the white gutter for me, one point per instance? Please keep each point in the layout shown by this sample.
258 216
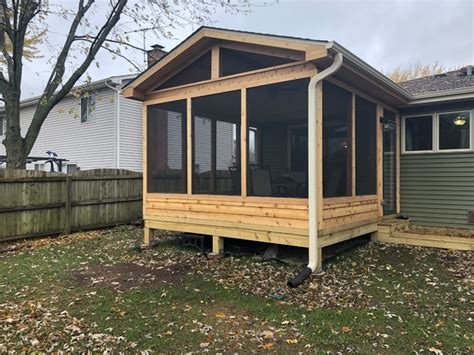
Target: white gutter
117 91
313 170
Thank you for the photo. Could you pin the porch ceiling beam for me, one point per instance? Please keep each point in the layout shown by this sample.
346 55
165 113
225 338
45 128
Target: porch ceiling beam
133 93
254 78
316 53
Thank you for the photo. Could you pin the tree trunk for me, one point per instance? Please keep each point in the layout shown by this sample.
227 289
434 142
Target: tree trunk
14 143
15 149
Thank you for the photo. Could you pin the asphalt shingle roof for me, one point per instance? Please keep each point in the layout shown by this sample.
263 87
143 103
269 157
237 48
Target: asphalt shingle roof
455 79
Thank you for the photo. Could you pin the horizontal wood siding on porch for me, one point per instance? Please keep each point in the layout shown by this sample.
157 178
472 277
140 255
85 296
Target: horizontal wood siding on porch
260 219
272 220
347 210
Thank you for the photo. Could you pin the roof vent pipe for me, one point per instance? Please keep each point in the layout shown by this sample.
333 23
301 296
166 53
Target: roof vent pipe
313 172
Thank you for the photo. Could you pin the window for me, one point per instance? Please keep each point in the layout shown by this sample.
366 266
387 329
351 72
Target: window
166 147
87 108
278 140
337 145
3 126
454 130
253 152
419 133
366 147
438 132
216 144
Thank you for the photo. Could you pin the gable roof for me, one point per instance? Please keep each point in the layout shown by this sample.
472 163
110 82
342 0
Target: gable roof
205 36
354 69
456 79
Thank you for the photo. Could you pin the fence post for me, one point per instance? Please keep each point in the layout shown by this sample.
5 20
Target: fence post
68 209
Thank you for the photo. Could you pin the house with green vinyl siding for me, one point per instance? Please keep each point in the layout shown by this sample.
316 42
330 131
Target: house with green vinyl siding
437 150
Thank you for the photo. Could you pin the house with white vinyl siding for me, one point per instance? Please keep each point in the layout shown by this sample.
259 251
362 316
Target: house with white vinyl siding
96 127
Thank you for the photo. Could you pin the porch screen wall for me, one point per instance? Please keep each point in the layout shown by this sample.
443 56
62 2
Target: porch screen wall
366 147
166 147
216 144
337 150
278 140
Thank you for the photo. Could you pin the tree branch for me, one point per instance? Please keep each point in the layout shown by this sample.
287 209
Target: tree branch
115 53
47 102
88 38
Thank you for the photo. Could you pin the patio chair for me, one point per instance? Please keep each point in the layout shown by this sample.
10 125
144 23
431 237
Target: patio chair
262 184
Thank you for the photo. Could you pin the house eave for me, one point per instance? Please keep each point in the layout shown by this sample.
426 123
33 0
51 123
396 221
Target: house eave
354 63
96 85
442 96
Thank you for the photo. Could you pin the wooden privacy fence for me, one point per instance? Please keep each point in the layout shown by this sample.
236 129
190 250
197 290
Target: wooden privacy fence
34 203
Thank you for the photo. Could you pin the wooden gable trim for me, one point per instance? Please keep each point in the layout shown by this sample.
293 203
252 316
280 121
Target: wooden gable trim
272 75
205 38
262 39
215 62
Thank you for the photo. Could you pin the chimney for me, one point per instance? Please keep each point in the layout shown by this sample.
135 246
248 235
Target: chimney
154 54
467 71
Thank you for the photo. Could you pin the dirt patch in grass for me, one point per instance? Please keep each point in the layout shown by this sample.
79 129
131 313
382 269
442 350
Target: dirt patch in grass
230 328
125 276
437 231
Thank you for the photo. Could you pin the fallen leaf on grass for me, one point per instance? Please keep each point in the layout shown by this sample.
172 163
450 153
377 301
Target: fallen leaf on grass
267 346
346 330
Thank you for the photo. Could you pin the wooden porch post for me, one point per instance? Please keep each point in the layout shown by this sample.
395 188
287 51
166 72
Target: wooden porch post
217 245
148 235
189 145
379 160
243 141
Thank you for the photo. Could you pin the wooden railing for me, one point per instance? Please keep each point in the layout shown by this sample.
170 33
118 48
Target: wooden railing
36 203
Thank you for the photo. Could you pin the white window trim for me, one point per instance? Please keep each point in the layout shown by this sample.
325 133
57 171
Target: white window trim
433 138
435 130
470 149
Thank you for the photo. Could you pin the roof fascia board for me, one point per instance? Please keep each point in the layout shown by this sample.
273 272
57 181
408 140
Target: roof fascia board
452 95
367 69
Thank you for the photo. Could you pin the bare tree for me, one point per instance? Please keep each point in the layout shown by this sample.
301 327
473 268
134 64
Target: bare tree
84 39
414 71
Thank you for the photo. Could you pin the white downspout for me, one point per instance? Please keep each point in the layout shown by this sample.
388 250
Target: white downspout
313 171
117 123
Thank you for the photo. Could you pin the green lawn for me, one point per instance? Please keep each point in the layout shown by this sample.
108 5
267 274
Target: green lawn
96 291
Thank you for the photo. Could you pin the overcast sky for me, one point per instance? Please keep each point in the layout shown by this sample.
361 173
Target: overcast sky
384 33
